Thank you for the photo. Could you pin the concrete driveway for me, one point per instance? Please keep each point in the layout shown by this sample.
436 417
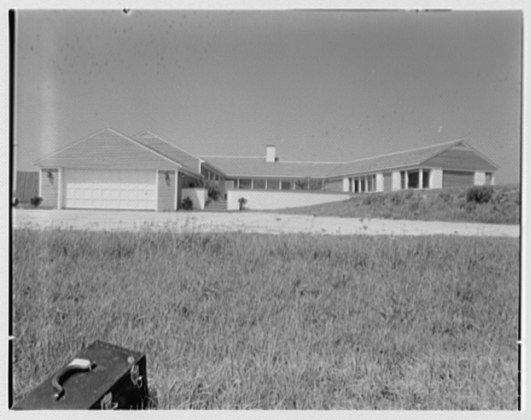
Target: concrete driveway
247 222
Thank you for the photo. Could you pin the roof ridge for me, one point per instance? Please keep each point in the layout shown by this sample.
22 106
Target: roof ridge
232 157
448 143
62 149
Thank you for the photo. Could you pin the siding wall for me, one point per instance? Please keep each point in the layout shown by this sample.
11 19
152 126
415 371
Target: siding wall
27 186
166 191
49 188
457 179
335 185
387 181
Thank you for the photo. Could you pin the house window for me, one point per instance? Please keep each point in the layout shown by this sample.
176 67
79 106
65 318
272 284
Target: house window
369 183
301 184
315 184
425 178
259 184
356 185
488 178
273 184
413 179
245 184
285 185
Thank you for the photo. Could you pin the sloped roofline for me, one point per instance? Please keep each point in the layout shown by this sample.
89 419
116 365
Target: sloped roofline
68 146
478 152
167 142
108 129
448 143
178 148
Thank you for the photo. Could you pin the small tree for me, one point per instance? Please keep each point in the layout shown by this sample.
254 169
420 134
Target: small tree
187 204
242 202
479 194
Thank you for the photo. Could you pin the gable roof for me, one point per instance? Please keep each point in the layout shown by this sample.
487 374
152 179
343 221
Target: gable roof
256 166
156 143
105 149
109 148
413 157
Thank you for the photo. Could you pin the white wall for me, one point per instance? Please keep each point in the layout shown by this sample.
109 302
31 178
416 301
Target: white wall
345 184
436 178
197 195
395 178
270 200
379 182
479 178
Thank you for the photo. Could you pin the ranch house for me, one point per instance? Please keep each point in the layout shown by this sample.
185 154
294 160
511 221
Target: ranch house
110 170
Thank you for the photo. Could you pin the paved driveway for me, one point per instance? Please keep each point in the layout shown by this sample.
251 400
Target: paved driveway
247 222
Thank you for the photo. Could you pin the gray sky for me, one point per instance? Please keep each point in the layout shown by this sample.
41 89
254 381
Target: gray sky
329 86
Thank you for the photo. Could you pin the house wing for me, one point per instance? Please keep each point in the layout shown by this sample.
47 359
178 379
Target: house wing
107 149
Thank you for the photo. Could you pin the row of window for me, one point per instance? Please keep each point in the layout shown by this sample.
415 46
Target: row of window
209 175
361 184
415 178
278 184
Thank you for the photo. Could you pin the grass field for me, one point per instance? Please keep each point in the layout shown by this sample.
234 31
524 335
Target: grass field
449 204
286 321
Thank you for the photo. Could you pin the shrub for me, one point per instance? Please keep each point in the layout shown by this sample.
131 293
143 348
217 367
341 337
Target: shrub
35 201
187 204
397 199
15 202
481 194
242 202
470 206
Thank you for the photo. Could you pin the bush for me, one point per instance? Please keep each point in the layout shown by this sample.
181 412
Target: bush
187 204
35 201
480 195
15 202
397 199
242 202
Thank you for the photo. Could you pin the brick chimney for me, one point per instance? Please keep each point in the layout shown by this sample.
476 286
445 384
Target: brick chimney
271 153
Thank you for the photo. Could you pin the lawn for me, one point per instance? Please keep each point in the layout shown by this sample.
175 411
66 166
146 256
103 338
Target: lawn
277 321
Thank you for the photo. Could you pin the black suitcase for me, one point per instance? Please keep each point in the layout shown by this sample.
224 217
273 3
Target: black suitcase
102 376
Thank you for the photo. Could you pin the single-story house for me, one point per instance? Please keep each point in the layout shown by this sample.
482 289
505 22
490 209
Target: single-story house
111 170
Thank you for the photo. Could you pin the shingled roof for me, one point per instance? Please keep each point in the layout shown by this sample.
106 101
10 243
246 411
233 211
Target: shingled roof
412 157
169 150
256 166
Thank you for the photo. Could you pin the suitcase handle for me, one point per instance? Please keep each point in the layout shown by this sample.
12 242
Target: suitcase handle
76 365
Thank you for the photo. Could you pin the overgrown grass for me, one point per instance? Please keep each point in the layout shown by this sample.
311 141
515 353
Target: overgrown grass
445 205
287 321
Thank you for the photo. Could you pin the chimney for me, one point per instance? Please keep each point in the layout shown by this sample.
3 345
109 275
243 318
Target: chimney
271 154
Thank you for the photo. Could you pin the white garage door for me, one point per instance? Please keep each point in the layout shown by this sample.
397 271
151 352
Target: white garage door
97 189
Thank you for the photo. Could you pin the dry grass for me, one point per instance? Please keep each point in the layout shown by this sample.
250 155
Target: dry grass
288 321
443 205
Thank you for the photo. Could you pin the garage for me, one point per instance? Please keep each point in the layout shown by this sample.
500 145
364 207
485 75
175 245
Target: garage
110 189
457 179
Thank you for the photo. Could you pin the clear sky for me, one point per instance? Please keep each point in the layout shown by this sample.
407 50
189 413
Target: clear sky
329 86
